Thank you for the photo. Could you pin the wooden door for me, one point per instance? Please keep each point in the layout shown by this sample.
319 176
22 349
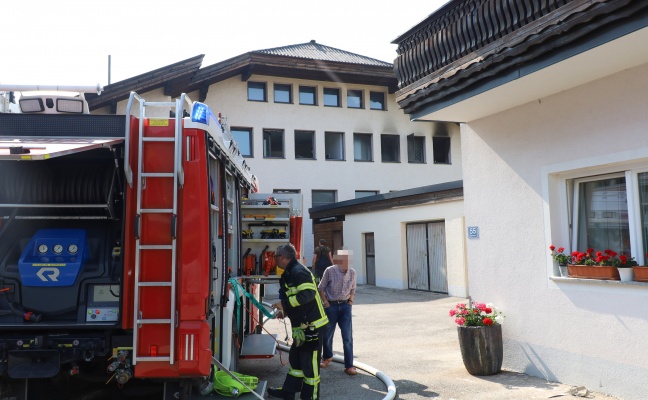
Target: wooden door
426 257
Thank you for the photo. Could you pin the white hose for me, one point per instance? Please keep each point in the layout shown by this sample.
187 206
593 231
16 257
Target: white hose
391 388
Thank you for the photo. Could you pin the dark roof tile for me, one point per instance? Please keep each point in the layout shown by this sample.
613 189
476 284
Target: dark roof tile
315 51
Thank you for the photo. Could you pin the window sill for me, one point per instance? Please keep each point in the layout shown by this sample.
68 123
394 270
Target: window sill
597 281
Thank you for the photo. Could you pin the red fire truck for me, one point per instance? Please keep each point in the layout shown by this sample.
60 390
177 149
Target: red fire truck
118 234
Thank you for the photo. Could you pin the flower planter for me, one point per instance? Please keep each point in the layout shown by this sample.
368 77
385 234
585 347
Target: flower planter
626 274
564 271
640 274
482 349
593 272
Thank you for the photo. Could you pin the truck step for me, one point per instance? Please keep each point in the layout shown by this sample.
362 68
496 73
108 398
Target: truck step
259 345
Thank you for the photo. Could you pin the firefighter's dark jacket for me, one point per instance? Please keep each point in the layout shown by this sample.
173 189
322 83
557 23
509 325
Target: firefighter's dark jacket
299 296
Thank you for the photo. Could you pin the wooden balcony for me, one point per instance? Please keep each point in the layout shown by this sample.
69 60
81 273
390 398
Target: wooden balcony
469 43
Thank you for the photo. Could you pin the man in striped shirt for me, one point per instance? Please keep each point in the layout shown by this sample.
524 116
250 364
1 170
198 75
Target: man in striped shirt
337 289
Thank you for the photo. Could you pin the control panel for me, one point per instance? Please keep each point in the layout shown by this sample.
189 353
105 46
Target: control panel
53 257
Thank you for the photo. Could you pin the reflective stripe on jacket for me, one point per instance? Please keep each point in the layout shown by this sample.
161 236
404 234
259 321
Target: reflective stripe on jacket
299 296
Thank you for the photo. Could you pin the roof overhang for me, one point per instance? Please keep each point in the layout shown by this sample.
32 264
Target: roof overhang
615 50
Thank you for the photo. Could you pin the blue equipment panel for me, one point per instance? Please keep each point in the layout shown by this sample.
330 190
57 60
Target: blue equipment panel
53 257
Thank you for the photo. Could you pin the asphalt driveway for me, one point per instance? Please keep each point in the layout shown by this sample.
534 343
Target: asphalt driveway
409 336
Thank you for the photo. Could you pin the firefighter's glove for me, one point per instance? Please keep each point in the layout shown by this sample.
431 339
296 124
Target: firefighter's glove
299 336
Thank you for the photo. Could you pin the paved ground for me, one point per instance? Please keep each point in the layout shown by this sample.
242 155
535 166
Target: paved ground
409 336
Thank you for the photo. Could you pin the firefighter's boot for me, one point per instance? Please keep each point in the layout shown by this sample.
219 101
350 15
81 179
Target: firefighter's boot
280 394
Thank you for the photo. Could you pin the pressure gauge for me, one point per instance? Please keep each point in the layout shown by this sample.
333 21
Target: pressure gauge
73 249
58 249
42 248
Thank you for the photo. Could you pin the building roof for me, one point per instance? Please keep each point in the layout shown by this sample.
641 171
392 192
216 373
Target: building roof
315 51
402 198
172 77
310 60
469 47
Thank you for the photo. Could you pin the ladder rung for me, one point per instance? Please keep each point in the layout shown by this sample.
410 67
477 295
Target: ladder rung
158 174
159 103
157 210
156 247
155 284
157 139
167 358
153 321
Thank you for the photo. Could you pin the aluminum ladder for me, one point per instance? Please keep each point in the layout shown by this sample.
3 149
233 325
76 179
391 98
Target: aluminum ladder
178 180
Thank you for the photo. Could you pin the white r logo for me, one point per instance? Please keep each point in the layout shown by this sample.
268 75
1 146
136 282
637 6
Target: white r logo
48 274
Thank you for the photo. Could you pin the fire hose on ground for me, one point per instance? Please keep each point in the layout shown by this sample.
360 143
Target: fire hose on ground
389 384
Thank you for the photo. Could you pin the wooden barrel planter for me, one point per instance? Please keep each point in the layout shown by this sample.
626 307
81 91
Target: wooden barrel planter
482 349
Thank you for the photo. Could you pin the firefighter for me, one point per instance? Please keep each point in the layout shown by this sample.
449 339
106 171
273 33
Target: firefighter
301 303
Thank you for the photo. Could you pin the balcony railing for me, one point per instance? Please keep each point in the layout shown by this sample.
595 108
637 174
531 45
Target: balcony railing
462 27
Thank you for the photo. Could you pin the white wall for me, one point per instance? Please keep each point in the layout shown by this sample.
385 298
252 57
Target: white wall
587 334
389 229
230 98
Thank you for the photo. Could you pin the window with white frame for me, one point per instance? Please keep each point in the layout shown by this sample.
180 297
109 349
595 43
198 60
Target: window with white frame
362 149
273 143
601 214
605 216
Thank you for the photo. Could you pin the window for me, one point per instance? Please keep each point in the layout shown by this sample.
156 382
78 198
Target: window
256 91
441 149
273 143
365 193
601 213
362 147
354 99
331 97
390 148
607 210
290 191
308 95
282 93
243 137
334 145
323 197
305 145
415 149
377 100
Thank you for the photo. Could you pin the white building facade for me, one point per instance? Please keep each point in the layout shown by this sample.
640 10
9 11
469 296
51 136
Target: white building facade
313 120
555 151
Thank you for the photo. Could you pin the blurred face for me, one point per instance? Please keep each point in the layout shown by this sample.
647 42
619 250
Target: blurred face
281 261
342 262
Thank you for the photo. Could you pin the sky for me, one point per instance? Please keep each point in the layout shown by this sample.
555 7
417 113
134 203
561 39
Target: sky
68 42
